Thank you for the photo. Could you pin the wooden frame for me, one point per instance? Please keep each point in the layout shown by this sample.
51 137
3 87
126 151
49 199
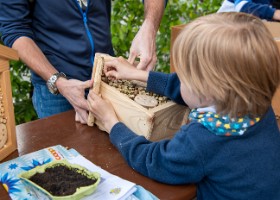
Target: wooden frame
155 123
175 31
7 102
96 74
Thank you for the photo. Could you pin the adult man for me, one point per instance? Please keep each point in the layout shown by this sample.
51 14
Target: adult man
261 8
58 40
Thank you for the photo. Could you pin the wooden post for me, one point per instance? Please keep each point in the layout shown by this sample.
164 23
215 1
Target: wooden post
7 121
175 30
99 59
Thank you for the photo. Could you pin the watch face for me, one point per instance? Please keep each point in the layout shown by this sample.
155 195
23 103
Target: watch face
51 88
51 82
53 78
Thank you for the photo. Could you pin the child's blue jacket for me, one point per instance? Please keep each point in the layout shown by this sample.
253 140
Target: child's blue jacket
236 167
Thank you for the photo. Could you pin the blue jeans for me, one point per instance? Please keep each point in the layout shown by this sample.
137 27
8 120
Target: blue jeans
47 104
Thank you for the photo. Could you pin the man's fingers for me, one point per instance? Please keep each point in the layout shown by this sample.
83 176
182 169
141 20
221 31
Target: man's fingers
87 84
132 57
84 117
152 64
144 62
81 115
92 95
77 117
82 104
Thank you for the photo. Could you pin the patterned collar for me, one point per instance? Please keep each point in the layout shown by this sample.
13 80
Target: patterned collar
221 125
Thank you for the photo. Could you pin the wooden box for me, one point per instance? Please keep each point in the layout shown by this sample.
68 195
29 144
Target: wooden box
273 27
155 123
7 121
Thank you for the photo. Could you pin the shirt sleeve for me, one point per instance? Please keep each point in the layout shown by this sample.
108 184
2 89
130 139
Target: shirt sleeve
169 161
263 11
15 20
165 84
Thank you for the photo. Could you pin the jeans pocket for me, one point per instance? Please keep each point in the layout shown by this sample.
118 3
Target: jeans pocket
47 104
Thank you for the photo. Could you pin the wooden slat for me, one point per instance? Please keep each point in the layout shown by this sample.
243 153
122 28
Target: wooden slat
168 119
97 72
175 31
11 143
274 28
8 54
96 75
4 65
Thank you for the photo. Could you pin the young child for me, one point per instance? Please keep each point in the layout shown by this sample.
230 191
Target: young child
228 69
264 9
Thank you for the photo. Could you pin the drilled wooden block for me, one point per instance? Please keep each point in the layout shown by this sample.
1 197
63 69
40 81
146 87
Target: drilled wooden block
7 122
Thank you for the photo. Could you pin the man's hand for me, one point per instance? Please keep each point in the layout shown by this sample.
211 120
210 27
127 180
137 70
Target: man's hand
144 44
74 91
144 47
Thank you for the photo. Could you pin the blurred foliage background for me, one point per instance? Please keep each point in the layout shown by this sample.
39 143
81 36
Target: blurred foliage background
127 17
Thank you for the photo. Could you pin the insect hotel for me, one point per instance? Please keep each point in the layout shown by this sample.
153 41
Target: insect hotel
153 116
7 122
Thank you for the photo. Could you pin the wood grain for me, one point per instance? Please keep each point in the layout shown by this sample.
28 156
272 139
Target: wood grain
99 60
98 67
10 145
7 53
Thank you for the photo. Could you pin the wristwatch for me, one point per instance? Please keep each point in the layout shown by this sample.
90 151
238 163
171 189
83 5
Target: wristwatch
51 82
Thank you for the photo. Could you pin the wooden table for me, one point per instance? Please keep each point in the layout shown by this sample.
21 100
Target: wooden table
91 143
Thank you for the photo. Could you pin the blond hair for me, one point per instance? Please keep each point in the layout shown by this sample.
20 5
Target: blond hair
232 58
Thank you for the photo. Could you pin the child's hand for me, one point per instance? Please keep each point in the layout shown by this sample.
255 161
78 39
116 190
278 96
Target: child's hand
102 110
120 68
